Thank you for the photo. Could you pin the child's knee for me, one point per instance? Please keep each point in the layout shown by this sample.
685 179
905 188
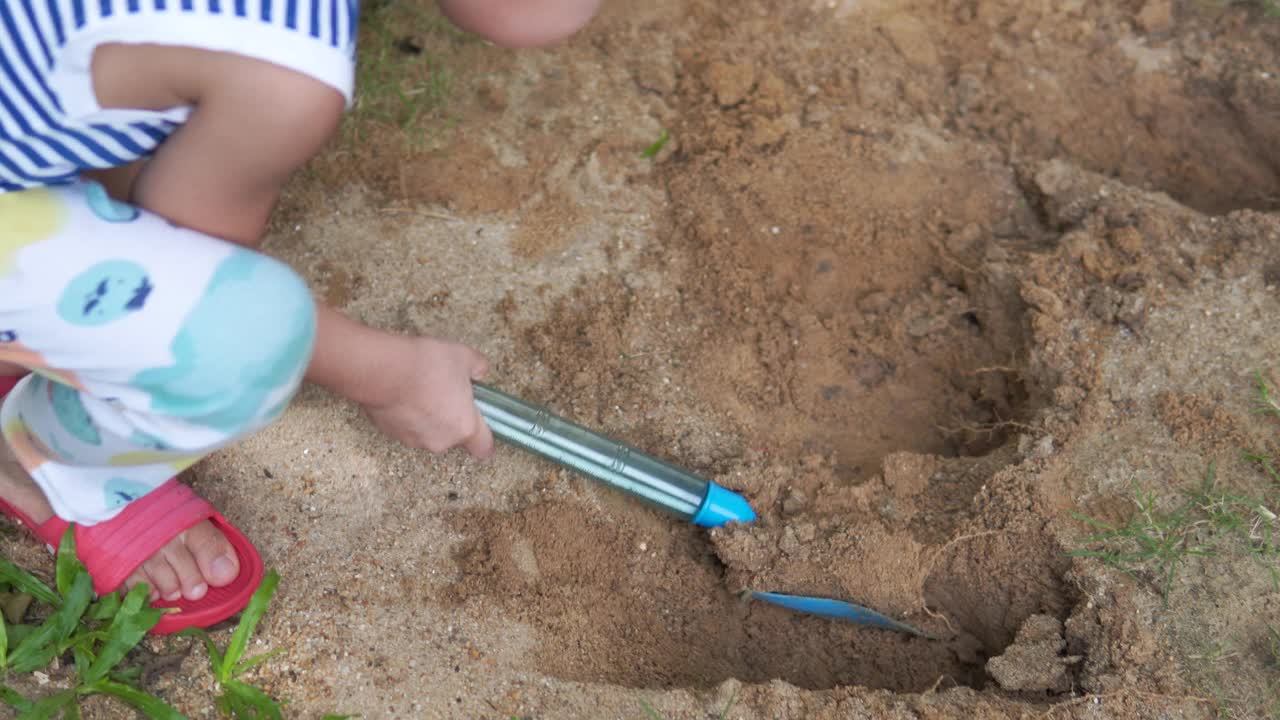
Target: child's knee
243 350
528 24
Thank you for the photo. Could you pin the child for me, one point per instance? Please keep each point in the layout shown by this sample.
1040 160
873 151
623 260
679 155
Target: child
154 334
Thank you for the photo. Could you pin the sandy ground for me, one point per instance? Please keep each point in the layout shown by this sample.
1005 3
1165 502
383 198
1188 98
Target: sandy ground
920 279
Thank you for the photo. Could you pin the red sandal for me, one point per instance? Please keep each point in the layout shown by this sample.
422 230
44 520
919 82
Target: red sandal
112 550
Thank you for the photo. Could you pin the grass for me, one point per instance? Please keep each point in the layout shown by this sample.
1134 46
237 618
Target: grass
1208 520
401 83
1152 542
98 635
651 151
239 699
1155 543
1217 669
1240 673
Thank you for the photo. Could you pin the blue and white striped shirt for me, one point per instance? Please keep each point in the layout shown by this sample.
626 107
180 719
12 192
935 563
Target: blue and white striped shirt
51 128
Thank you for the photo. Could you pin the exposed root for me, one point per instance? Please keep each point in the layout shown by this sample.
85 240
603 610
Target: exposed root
932 563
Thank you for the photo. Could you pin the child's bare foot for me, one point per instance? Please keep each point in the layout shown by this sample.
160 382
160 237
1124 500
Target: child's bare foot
184 568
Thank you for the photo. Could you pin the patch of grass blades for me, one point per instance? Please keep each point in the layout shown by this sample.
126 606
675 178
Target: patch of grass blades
1217 669
239 699
1156 543
400 81
1265 404
98 635
1210 519
1151 540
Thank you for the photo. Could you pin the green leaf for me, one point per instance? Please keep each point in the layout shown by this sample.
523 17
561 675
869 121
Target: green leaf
86 638
248 623
10 697
215 657
248 701
254 662
657 146
47 707
36 650
4 644
67 565
150 705
83 655
106 607
18 633
41 646
75 602
650 711
131 675
1091 521
127 629
28 583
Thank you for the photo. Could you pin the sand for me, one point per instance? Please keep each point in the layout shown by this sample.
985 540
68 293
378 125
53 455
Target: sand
920 279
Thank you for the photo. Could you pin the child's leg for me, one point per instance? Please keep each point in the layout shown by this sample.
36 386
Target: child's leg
253 124
164 345
520 23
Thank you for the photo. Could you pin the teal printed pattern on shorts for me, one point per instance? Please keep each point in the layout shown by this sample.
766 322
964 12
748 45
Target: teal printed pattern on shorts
69 410
107 208
105 293
151 345
120 492
147 441
238 352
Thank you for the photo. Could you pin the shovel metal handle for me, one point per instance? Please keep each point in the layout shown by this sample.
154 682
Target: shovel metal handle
616 464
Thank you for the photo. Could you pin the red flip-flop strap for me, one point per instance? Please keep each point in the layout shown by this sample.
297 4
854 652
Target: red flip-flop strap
7 383
112 550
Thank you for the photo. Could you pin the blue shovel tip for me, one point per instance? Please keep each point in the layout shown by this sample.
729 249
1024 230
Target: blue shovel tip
838 609
722 507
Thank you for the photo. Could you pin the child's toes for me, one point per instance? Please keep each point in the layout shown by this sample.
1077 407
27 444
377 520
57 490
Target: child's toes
141 576
162 578
193 585
213 554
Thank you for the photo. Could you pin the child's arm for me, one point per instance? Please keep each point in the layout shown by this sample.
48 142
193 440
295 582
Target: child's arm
415 389
520 23
220 173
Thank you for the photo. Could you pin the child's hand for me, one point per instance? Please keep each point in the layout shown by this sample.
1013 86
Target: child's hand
415 389
430 404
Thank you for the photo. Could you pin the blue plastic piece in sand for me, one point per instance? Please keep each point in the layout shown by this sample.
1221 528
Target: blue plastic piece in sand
837 609
722 507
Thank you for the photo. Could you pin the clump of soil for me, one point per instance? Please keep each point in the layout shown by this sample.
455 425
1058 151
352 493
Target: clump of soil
1034 662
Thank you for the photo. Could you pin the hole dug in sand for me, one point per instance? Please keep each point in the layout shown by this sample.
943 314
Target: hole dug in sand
631 598
867 374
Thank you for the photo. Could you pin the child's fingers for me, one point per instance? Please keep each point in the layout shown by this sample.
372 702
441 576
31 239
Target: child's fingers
480 444
479 366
